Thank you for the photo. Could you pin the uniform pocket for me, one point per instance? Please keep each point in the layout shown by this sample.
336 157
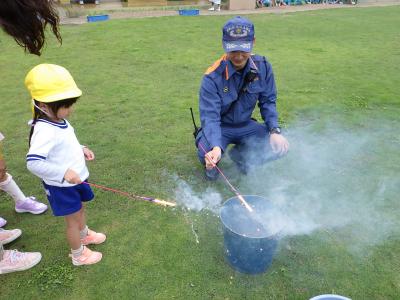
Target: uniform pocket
251 95
227 100
255 87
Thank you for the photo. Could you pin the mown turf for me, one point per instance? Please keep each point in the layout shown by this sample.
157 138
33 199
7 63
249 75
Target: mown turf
336 71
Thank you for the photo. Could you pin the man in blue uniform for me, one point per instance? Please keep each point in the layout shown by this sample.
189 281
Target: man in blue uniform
229 92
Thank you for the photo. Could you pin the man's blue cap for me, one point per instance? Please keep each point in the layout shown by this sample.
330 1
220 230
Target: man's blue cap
238 35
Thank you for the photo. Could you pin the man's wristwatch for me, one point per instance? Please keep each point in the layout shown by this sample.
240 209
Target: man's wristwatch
276 130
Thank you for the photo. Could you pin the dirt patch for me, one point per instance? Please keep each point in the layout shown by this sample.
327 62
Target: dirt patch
121 14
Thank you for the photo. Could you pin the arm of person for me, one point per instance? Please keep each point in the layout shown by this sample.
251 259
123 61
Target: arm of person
42 143
279 144
267 98
89 155
267 105
210 116
43 169
72 177
213 157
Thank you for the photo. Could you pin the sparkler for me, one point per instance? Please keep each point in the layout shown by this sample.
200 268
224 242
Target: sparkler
240 197
133 196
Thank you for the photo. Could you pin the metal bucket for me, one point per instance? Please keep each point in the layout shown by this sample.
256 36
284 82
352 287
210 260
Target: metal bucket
250 239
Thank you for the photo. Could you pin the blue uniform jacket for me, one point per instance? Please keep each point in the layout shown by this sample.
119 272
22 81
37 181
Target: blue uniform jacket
220 88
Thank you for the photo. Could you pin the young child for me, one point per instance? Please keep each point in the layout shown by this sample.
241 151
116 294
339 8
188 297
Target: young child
56 156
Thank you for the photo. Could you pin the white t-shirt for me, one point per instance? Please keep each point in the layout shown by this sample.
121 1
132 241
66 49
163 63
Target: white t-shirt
54 149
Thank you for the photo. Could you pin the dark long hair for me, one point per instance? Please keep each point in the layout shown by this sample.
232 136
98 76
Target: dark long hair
26 20
54 106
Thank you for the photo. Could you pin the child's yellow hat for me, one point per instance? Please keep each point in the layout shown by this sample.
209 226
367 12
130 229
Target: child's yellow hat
50 83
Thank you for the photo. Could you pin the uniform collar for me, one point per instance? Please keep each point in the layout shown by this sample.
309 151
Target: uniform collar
63 124
230 69
252 64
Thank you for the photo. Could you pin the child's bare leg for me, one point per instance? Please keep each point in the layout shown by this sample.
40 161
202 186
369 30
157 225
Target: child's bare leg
88 236
82 218
81 255
73 232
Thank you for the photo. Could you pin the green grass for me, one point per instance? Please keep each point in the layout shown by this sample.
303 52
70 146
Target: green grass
336 71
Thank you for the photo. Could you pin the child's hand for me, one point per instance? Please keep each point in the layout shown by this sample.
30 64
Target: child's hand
89 155
72 177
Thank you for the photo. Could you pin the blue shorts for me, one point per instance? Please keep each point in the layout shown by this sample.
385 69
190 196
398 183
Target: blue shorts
65 201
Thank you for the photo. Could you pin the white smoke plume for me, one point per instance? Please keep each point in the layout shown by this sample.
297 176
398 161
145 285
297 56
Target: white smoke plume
345 182
210 200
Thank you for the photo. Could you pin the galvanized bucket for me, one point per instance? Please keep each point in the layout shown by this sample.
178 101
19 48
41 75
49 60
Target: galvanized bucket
250 243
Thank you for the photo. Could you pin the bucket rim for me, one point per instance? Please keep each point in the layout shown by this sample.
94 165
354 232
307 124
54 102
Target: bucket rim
235 198
334 296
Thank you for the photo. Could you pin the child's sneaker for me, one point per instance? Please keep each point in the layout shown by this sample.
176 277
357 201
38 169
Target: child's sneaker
31 205
7 236
93 238
211 8
88 257
3 222
14 260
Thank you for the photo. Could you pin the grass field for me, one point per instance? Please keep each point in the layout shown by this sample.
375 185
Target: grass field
337 73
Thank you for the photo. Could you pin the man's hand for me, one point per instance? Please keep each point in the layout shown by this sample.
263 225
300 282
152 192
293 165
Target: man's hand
279 144
72 177
89 155
213 157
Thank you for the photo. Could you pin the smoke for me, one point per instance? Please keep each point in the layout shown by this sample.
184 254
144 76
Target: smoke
334 180
210 199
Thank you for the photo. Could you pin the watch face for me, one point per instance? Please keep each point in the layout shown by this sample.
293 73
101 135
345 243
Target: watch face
275 130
